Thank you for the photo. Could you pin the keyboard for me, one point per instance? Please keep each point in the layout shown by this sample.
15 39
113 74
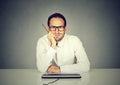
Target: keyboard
61 76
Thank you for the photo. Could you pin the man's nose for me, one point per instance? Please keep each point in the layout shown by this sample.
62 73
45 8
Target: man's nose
57 30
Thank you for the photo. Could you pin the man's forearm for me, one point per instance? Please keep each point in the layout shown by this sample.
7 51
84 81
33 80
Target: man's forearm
44 59
75 68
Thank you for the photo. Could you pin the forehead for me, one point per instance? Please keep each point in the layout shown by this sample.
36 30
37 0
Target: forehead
57 21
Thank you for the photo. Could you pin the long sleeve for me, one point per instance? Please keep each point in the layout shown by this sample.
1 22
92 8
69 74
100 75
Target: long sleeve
69 55
44 55
82 64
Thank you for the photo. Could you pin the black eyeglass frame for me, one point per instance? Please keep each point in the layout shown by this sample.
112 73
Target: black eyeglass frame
60 28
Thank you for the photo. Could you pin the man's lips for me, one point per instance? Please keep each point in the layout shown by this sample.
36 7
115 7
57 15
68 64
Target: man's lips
57 35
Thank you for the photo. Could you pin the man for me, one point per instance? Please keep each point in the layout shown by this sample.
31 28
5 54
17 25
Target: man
58 52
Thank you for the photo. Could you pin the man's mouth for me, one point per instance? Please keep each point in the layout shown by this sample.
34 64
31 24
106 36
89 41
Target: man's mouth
56 35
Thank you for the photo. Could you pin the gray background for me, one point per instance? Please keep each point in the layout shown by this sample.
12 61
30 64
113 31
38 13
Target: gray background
95 22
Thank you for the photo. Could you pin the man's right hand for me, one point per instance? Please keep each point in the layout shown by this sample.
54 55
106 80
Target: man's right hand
51 38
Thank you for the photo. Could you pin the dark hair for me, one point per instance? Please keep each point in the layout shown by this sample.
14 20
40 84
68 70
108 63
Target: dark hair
56 15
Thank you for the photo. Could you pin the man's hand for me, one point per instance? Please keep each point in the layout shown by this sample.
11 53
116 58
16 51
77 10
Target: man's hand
52 39
53 69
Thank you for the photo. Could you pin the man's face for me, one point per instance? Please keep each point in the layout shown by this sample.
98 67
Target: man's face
57 28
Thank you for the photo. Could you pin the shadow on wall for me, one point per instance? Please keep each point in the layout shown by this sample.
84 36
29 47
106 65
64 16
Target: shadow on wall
96 23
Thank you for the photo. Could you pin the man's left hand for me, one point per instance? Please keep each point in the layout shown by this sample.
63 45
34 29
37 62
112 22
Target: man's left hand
53 69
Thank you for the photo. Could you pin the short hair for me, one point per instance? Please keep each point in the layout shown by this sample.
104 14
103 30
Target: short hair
56 15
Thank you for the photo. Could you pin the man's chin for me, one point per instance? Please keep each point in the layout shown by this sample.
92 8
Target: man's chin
57 39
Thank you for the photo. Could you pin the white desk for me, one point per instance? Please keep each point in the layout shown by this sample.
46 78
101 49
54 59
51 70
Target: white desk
33 77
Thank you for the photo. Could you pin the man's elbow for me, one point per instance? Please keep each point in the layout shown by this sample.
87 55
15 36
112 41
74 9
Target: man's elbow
87 69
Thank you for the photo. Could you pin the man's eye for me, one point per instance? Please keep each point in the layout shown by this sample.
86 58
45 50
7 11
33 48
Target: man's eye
53 29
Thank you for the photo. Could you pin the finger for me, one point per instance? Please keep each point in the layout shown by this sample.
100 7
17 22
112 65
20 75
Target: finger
50 35
54 69
50 68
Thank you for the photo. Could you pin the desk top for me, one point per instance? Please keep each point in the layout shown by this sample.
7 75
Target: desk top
33 77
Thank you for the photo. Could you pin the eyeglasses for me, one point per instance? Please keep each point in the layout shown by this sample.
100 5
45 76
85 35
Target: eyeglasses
60 28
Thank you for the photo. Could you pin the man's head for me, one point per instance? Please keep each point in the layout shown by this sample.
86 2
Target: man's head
57 25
